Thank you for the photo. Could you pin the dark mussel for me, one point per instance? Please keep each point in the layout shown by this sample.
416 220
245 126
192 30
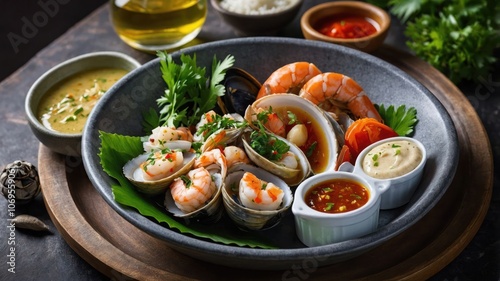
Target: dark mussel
241 91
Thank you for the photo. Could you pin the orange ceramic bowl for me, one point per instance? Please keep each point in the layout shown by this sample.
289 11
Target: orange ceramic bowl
313 17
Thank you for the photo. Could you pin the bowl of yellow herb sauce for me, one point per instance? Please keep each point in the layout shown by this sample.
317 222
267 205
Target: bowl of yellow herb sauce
60 101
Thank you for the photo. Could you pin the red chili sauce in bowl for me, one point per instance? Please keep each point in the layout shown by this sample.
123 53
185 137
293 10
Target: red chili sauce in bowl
337 196
347 26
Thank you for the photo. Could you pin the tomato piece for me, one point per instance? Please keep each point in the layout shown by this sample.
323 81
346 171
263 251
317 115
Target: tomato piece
364 132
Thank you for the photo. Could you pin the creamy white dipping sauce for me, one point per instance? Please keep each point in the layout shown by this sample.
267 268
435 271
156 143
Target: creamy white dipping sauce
392 159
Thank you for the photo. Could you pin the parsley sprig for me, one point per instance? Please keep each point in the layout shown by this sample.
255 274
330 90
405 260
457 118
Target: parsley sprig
189 93
402 121
267 145
219 122
457 37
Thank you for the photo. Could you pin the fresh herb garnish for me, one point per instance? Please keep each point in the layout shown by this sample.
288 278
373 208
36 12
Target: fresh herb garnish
355 196
78 110
219 122
69 118
459 38
311 149
292 118
187 181
326 189
402 121
375 160
329 206
190 93
267 145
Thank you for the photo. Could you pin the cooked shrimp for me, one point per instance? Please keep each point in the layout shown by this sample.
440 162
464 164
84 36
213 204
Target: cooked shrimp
235 154
258 194
334 90
212 157
192 191
161 164
288 79
289 160
275 124
163 134
206 118
215 123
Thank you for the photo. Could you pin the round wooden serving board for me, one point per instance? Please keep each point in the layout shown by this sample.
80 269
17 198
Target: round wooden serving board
123 252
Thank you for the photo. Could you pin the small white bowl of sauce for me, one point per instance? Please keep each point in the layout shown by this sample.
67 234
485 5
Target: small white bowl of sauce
400 160
59 102
332 207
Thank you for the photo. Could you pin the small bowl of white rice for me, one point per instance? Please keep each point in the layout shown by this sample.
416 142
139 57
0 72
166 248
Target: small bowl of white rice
257 17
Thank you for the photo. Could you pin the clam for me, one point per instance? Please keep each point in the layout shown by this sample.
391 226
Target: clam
247 218
232 126
210 212
132 171
292 176
241 91
222 137
321 147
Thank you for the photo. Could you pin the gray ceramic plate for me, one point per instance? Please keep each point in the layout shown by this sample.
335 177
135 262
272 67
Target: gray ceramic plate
119 111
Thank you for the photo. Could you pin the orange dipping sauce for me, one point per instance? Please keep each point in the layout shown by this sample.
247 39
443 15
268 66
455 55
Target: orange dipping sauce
347 26
337 196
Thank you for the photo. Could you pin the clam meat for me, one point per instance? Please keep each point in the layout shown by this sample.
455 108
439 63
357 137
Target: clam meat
168 137
152 172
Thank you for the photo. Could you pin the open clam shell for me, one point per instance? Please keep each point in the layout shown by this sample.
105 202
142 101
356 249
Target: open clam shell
133 173
211 212
176 144
222 137
292 177
250 219
324 155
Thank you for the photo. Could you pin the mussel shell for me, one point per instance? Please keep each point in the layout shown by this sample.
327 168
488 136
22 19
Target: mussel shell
250 219
316 114
241 90
211 212
132 172
292 177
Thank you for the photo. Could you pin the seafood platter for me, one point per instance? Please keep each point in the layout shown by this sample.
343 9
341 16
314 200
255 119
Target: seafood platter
285 151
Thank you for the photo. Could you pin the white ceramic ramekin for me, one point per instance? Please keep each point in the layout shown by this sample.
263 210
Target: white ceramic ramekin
315 228
401 188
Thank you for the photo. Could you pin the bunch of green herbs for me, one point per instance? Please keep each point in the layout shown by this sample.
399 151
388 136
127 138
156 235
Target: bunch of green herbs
457 37
189 92
400 119
265 144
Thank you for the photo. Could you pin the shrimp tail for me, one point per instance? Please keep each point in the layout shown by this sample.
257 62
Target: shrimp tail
288 79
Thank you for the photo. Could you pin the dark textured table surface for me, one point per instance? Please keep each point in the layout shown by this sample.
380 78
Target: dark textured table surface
46 256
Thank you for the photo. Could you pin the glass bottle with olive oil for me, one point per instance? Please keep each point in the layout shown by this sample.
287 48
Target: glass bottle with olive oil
152 25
